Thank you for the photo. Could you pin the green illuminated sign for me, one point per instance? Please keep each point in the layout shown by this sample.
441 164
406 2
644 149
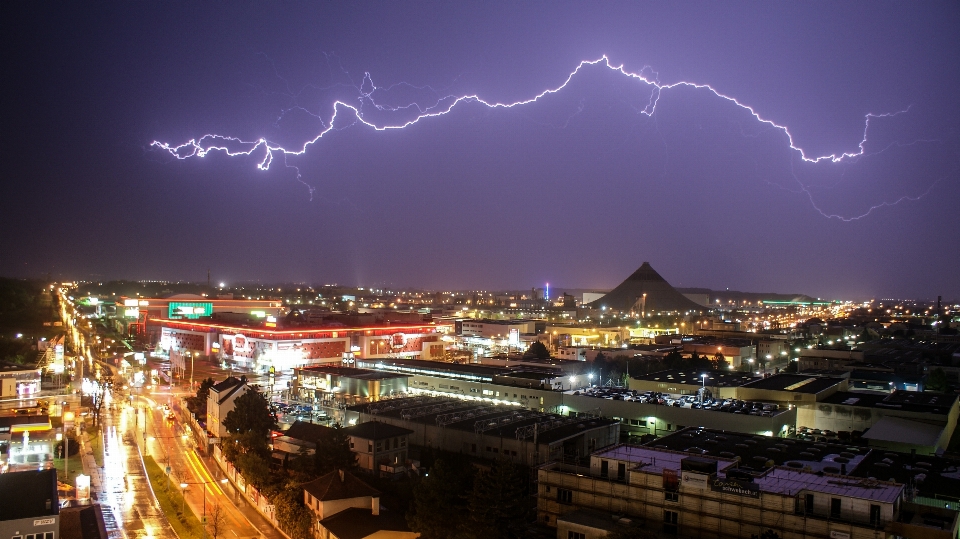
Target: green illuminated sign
189 309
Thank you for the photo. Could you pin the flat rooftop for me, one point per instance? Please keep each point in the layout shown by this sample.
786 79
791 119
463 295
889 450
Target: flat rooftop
931 475
482 417
797 383
790 482
780 480
692 377
683 401
760 453
350 372
907 401
652 460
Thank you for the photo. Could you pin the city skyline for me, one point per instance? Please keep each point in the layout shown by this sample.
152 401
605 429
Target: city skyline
610 157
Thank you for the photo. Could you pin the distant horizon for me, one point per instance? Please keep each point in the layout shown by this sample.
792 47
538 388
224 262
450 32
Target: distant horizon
559 289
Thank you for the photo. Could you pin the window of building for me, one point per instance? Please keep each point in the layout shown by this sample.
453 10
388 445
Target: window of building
48 535
17 537
809 503
575 535
669 426
369 447
351 444
473 448
621 471
396 443
564 496
834 507
380 446
670 519
604 468
403 442
874 515
671 496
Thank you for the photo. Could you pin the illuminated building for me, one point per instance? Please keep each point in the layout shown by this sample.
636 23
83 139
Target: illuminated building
262 347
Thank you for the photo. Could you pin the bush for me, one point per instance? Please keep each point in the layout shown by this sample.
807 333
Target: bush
73 447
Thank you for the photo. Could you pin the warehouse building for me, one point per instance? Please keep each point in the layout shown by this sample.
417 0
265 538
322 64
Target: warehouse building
486 430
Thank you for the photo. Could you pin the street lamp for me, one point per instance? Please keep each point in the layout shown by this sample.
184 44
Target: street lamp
183 497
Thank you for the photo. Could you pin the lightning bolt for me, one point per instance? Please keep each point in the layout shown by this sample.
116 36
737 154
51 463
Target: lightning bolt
234 146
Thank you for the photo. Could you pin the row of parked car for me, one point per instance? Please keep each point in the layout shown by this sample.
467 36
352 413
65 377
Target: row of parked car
735 406
297 410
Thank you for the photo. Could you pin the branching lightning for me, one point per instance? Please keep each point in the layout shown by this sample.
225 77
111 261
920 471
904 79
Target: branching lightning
354 113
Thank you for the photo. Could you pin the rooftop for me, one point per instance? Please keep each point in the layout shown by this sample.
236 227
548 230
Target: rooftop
349 372
760 453
797 383
653 460
908 401
483 417
310 432
692 377
28 494
339 485
931 475
376 430
355 523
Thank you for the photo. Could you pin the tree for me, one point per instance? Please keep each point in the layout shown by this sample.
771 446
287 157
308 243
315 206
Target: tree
251 414
719 362
333 452
537 350
217 521
102 385
439 502
937 380
254 469
303 466
498 502
294 518
198 403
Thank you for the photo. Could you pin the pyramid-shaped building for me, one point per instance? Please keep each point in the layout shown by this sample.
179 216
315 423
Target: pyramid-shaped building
660 296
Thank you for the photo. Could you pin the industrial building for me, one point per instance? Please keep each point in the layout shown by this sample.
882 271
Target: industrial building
486 430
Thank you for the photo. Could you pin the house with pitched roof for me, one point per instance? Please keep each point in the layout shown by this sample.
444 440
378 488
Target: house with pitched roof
220 402
347 508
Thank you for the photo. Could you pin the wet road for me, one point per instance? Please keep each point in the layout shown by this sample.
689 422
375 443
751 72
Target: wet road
166 442
129 507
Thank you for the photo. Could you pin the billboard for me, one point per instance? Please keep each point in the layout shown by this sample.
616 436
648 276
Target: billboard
694 480
189 309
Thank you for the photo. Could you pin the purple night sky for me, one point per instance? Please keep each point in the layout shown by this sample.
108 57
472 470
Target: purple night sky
577 188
